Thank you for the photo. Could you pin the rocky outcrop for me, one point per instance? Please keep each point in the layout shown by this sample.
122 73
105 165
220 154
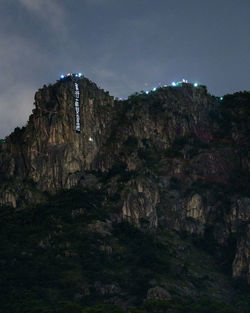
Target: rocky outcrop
8 197
49 150
140 198
241 263
240 216
196 211
195 208
158 293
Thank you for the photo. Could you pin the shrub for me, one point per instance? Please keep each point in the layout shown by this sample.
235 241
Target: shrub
104 308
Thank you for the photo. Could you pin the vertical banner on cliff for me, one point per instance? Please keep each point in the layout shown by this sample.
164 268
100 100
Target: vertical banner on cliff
77 108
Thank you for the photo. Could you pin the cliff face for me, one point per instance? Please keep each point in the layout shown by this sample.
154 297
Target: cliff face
49 151
177 159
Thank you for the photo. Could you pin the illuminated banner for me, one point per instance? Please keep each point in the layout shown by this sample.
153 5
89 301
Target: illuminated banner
77 108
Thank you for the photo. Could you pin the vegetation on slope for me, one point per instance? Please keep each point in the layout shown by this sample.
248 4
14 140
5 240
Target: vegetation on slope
70 254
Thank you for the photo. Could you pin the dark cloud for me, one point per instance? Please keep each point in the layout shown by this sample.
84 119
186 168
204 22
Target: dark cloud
123 45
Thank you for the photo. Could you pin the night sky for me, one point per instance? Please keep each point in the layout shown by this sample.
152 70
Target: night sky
122 45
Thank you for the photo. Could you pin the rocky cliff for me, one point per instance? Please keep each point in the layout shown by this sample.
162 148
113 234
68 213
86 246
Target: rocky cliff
176 158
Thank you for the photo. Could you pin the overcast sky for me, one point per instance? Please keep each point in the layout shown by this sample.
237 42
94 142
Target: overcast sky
122 45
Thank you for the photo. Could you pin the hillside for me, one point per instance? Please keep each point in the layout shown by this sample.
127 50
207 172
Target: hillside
140 205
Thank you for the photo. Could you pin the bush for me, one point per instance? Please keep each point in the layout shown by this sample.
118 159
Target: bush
104 308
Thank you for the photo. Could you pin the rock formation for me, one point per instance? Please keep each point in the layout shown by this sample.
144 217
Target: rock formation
178 158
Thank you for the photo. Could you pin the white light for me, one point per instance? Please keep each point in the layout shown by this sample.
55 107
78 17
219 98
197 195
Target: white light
195 84
147 92
221 98
173 83
80 74
91 139
62 76
154 89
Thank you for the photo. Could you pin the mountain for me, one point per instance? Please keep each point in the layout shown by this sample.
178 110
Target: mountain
142 203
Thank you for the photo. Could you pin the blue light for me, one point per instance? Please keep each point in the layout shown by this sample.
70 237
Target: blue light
76 75
62 76
221 98
174 84
195 84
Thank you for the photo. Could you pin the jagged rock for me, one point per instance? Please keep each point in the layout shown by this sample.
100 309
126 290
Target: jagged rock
103 228
241 263
9 197
195 209
239 219
140 200
109 289
158 293
240 213
52 152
